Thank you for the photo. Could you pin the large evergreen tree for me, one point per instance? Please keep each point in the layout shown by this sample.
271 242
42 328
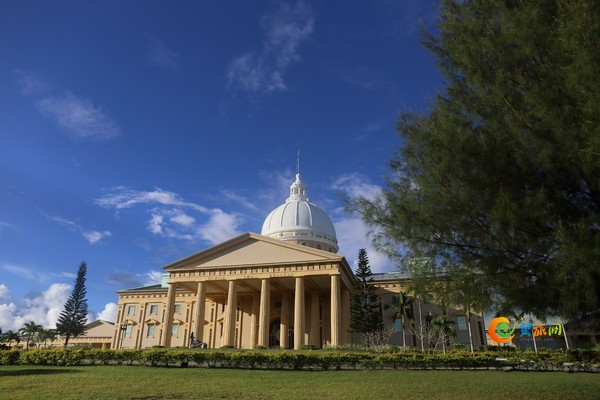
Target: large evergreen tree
502 175
73 318
365 308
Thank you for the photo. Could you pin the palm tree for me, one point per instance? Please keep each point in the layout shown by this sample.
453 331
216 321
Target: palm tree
30 329
468 293
45 335
444 329
11 336
420 288
401 305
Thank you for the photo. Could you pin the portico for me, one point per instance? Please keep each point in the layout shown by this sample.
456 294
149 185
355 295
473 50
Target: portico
246 292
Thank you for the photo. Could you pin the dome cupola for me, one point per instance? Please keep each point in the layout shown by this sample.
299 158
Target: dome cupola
300 221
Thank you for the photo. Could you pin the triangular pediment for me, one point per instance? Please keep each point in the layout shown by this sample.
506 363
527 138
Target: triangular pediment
251 249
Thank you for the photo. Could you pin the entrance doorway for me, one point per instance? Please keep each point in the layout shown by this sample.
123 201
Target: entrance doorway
274 331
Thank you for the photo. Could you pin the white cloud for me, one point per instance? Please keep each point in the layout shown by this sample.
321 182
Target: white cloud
127 198
183 219
220 227
43 308
6 225
29 83
352 235
155 224
162 57
79 117
92 236
4 291
152 277
168 218
69 275
241 200
279 183
109 313
23 272
283 32
125 279
355 185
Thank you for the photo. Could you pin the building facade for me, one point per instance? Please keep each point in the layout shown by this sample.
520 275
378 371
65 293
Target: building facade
284 288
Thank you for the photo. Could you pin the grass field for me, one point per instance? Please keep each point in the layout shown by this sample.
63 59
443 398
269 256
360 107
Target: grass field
122 382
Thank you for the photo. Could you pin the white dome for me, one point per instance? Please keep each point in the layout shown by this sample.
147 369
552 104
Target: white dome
301 221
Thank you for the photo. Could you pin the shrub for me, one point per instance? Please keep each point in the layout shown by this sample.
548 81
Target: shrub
9 357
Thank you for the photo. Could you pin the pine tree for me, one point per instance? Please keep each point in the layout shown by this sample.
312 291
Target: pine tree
73 318
502 176
365 308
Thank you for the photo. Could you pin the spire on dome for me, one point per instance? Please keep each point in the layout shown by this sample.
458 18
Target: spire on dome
298 189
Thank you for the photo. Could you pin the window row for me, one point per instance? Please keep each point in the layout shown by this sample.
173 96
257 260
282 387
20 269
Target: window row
150 329
153 309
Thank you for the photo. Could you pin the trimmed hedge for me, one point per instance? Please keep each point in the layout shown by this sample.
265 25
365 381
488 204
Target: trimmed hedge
575 360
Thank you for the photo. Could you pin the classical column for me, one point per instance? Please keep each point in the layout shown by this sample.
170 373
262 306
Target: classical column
118 333
335 310
168 322
345 316
315 326
299 314
254 320
140 330
263 320
284 326
200 306
230 310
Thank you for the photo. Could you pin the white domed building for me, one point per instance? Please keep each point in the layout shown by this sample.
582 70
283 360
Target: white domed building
300 221
286 287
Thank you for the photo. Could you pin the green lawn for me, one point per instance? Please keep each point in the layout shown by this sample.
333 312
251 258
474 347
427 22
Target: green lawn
122 382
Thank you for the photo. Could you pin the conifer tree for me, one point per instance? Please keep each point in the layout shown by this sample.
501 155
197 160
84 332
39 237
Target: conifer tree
365 308
73 318
501 177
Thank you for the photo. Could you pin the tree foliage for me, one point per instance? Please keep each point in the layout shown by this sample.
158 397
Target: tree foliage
401 304
30 330
443 330
365 309
11 336
73 318
502 177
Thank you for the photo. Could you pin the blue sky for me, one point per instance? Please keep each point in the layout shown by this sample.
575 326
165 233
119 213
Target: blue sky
135 133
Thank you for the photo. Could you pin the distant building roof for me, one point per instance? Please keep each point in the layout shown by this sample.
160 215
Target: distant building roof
158 286
386 276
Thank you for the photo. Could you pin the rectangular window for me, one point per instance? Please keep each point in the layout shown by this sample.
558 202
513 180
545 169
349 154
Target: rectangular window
128 330
154 309
174 330
177 308
130 310
150 331
462 323
397 325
